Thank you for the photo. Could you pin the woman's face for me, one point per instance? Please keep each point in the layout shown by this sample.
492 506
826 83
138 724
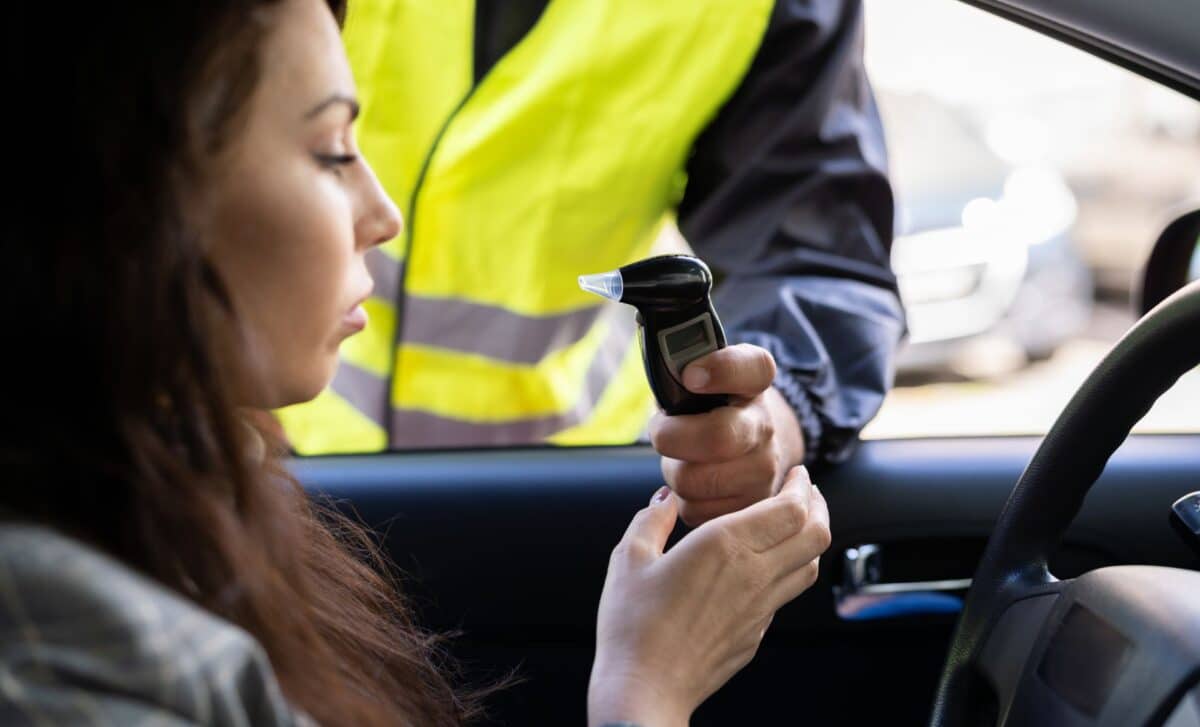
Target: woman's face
292 209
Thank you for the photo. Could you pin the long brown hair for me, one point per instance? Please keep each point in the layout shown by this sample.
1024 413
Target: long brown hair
119 424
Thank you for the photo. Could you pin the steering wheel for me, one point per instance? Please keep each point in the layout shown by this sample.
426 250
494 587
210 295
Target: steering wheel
1117 646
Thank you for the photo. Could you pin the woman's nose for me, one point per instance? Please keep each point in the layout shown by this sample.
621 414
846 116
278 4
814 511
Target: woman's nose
380 220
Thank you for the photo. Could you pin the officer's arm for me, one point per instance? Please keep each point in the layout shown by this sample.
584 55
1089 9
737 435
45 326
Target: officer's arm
787 198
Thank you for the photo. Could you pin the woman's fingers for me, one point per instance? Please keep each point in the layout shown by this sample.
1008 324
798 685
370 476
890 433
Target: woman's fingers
647 533
792 584
771 522
784 535
808 543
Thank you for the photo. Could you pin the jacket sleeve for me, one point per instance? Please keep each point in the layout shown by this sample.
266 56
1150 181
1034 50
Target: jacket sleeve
86 640
63 703
788 200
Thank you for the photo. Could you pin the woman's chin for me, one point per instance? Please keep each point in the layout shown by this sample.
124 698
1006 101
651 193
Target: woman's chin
308 390
296 390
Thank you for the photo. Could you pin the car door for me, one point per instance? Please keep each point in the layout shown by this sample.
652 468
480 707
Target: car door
508 547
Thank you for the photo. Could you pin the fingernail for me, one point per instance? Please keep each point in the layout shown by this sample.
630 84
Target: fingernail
695 377
661 495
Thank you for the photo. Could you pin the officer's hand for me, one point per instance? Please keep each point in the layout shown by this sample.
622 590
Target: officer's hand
735 455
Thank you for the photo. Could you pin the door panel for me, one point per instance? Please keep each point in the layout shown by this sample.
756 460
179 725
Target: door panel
510 548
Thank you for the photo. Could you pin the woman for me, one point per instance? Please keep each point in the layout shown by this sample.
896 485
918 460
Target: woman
194 255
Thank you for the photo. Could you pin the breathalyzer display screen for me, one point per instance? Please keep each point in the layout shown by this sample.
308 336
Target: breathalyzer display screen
694 335
680 344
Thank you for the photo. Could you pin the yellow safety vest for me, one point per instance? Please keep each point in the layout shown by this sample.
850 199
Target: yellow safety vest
565 159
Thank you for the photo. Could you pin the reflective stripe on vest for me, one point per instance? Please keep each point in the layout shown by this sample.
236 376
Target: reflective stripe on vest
563 160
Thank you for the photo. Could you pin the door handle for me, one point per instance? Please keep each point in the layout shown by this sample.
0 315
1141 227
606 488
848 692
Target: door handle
863 596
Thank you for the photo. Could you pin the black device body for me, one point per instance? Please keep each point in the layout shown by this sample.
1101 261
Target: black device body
677 324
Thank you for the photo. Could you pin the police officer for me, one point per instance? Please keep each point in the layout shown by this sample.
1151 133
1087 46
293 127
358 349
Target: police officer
530 141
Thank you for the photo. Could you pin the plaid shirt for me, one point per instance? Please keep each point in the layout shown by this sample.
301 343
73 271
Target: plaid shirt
84 640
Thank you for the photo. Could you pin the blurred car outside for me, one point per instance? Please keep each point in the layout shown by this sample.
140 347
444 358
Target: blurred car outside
984 254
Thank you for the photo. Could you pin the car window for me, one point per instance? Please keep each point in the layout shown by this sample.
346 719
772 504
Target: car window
1031 181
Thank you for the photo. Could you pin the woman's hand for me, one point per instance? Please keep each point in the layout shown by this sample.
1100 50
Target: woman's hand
674 627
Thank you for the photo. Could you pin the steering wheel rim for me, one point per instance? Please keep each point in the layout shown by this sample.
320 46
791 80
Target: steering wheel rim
1144 364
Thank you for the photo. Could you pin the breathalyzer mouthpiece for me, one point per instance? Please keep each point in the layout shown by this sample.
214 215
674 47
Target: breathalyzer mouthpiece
676 322
607 285
666 282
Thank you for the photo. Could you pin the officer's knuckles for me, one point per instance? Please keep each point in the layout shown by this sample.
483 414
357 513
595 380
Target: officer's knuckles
744 369
738 432
761 423
766 468
760 364
698 482
726 435
668 436
695 513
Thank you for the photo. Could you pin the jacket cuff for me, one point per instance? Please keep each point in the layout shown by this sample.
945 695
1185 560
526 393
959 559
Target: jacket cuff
826 441
811 426
794 385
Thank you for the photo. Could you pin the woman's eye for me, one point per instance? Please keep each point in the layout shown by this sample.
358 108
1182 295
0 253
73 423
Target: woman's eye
335 162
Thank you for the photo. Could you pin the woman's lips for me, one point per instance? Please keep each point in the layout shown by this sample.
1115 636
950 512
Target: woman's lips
355 320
